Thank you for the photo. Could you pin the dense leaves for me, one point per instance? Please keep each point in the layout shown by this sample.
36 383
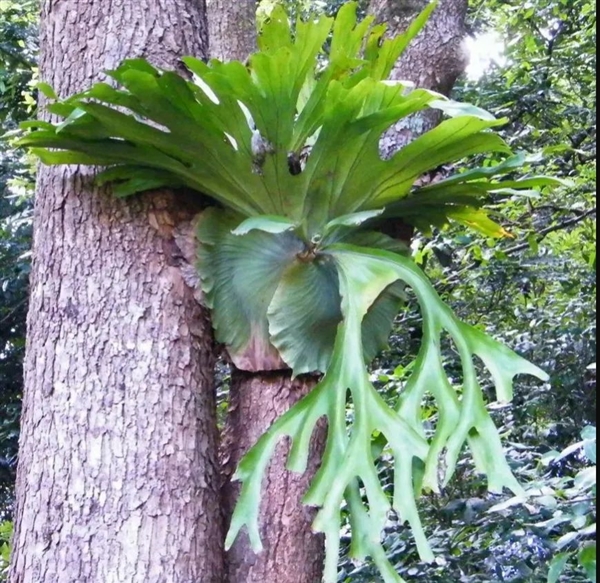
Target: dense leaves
538 293
291 138
5 534
17 61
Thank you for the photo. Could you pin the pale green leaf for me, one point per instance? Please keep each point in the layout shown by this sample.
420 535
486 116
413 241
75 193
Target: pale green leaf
364 276
268 224
567 539
353 220
586 479
557 567
459 109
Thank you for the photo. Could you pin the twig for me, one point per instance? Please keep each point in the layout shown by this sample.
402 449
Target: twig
559 227
522 246
13 311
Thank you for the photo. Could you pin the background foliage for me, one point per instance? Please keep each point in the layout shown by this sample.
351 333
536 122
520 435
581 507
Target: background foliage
17 103
537 293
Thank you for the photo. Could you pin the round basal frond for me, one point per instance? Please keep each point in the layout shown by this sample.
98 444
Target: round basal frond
275 301
305 314
240 275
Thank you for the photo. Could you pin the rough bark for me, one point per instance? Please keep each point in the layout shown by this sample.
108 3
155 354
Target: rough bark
293 553
231 28
118 476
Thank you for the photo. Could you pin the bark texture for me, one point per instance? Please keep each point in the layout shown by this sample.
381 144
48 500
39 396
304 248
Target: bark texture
118 476
293 553
232 28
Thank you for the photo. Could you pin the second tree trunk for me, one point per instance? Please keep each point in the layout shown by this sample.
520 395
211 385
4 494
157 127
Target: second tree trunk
293 553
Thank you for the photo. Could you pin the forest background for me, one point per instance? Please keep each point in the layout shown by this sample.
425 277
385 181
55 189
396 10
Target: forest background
535 63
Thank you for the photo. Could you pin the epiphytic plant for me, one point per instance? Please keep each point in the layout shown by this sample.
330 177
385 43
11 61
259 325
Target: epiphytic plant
292 263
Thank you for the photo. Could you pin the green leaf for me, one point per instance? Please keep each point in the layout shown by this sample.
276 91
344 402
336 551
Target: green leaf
46 90
305 313
128 181
392 50
452 140
479 220
240 275
586 479
557 567
567 539
353 220
291 315
378 323
268 224
459 109
588 560
590 448
231 132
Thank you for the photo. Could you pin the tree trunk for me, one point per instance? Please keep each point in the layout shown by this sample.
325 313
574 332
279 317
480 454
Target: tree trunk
231 28
118 476
293 553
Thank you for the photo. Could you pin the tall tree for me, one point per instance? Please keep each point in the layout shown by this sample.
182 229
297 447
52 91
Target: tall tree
172 305
118 470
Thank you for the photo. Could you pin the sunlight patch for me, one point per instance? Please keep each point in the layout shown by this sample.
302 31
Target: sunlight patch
484 50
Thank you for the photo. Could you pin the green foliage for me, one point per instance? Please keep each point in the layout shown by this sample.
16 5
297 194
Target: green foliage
305 9
17 59
15 234
6 529
290 146
536 293
421 460
252 154
17 69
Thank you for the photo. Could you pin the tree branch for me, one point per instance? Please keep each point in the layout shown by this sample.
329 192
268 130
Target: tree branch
523 246
552 229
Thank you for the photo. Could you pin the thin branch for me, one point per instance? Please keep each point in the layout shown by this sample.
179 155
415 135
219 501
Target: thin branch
523 246
559 227
559 209
13 311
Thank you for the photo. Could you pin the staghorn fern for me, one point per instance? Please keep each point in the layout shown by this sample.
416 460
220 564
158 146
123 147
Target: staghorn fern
288 147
